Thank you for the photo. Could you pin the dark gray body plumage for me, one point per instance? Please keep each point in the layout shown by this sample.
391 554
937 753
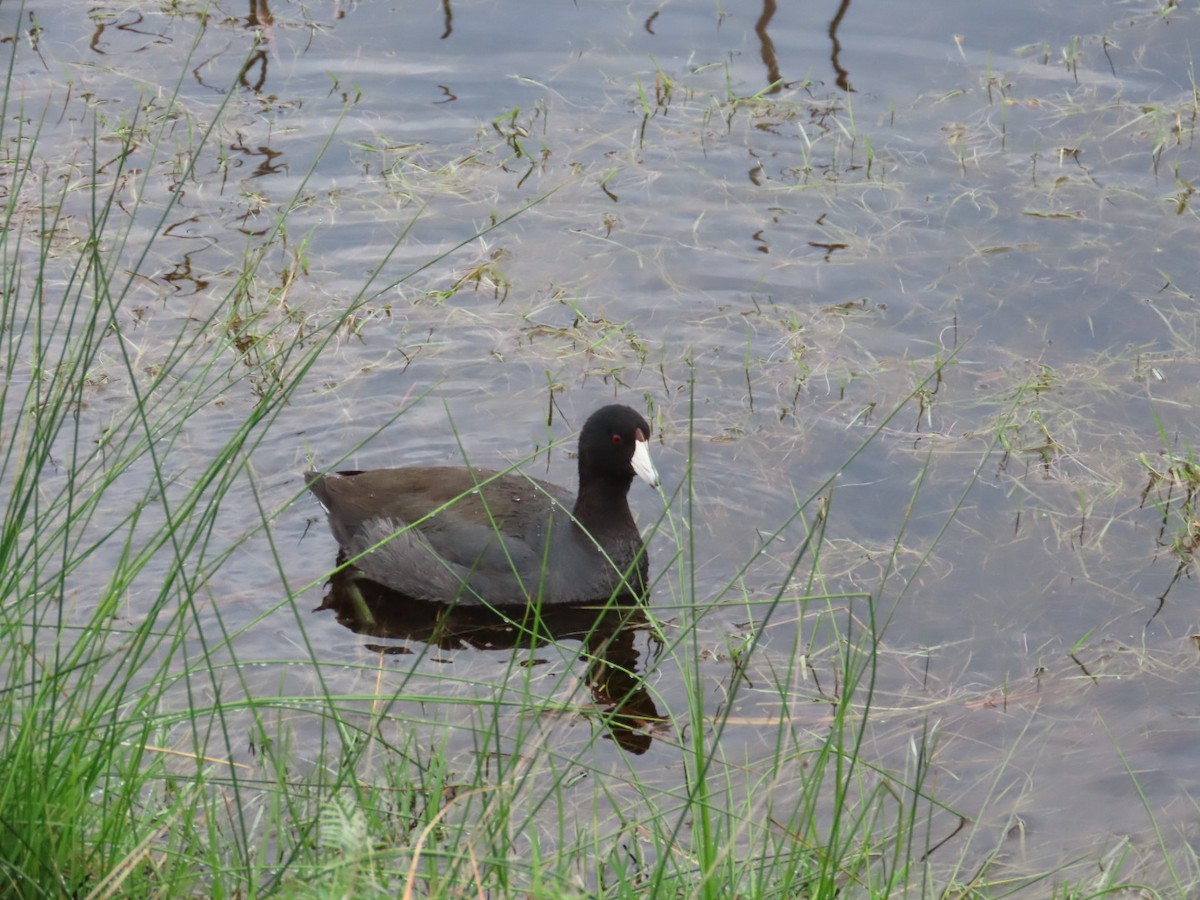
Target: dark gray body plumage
505 539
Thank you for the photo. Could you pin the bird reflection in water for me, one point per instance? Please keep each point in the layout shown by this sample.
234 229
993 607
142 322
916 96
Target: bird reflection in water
607 631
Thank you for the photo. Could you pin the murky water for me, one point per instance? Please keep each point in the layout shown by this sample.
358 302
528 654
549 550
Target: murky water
791 220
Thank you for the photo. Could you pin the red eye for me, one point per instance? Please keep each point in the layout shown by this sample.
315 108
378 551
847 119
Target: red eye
616 439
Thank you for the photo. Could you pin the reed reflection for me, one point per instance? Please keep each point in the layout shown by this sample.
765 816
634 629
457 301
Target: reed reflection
775 79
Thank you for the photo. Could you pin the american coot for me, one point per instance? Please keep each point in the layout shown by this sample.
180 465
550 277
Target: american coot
508 541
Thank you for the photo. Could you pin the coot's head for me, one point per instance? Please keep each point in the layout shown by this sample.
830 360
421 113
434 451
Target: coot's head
614 446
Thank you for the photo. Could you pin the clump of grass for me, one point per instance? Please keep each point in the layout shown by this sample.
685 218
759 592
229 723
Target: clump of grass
107 785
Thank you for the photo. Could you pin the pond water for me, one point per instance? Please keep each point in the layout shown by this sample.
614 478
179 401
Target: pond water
774 223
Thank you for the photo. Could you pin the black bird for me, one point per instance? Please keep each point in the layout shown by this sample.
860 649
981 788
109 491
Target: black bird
449 534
